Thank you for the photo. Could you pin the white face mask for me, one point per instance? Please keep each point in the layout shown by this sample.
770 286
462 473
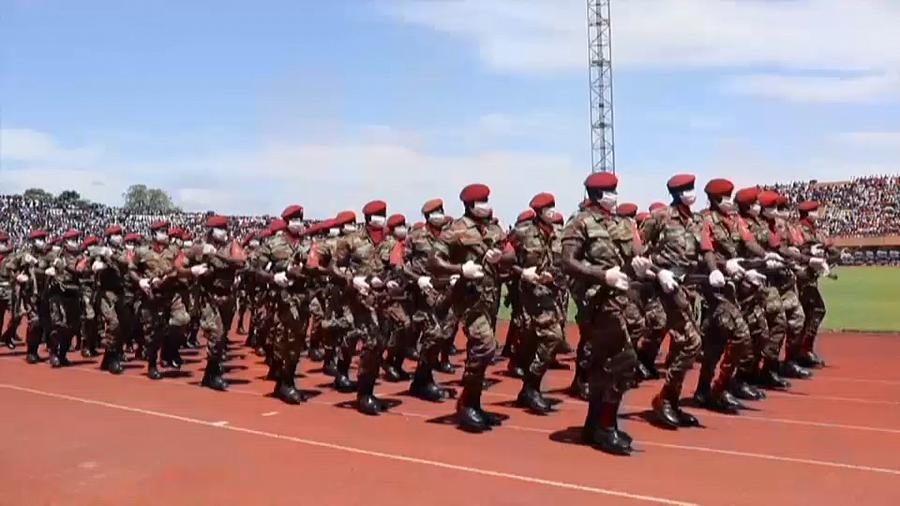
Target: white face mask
482 210
188 244
115 240
770 213
40 243
349 228
219 234
129 246
400 232
726 204
608 200
376 220
161 237
814 215
547 214
254 243
92 250
755 209
178 242
436 219
688 197
334 232
4 247
296 226
55 249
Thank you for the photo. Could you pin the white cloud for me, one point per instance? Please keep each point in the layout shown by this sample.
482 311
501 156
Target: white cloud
25 145
541 37
818 89
871 140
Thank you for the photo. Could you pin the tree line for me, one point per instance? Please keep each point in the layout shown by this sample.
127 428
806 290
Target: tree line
138 199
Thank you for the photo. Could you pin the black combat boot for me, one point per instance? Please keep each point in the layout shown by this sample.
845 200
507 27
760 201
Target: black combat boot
316 354
329 367
768 376
342 382
530 396
742 389
468 416
580 389
423 385
685 419
600 429
286 389
212 376
391 372
366 402
32 356
152 372
790 369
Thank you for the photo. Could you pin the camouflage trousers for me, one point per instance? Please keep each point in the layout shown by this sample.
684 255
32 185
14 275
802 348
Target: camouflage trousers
65 312
435 324
7 303
317 329
117 318
814 311
366 329
163 322
216 317
516 320
726 342
292 313
90 326
606 356
682 324
785 317
477 313
398 328
753 307
543 331
655 326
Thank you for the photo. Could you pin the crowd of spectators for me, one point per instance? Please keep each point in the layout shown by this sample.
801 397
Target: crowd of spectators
862 207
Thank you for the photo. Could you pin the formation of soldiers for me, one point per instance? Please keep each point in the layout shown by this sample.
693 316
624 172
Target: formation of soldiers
730 286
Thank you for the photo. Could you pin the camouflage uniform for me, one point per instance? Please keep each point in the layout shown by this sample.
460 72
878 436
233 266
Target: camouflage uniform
115 311
673 239
282 254
396 321
8 299
805 236
433 317
163 312
728 335
543 316
64 304
218 303
89 326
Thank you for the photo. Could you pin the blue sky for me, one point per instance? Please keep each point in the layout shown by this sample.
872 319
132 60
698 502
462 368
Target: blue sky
250 106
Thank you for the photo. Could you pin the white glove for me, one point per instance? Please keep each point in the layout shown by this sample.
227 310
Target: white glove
754 277
471 270
818 264
359 282
666 280
209 249
793 249
453 279
281 279
22 278
771 255
98 266
424 283
376 282
51 272
733 268
641 266
392 285
493 256
617 279
716 279
199 270
105 252
774 264
144 284
530 275
817 251
29 259
155 282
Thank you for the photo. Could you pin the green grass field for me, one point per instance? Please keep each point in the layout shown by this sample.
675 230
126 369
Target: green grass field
862 298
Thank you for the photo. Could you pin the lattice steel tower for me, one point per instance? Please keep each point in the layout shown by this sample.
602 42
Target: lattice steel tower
603 158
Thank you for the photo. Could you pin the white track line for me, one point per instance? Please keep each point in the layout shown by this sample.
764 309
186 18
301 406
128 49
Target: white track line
358 451
857 380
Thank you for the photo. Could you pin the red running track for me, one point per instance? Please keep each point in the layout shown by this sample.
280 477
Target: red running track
78 436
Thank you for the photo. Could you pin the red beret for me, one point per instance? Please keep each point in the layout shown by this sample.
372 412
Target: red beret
217 222
656 205
526 215
474 193
91 240
681 182
159 225
185 235
375 207
557 219
265 233
54 241
71 234
345 218
584 204
277 225
329 223
37 234
114 230
542 200
719 187
396 220
782 200
294 211
134 238
448 220
746 196
807 206
4 236
176 232
641 217
432 206
247 238
768 198
419 224
627 210
601 181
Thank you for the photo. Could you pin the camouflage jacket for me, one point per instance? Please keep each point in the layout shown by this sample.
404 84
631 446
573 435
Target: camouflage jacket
673 238
466 240
724 235
220 280
281 253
